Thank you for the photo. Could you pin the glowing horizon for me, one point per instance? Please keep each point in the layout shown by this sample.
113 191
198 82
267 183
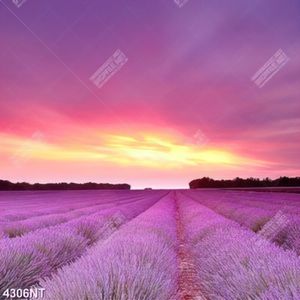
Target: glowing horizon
148 150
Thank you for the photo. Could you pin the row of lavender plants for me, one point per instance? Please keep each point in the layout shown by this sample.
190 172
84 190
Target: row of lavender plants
12 199
290 203
252 212
25 260
232 207
257 199
279 223
233 262
18 228
39 202
137 262
53 202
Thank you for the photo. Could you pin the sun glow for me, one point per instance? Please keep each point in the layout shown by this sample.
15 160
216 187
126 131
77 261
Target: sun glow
143 149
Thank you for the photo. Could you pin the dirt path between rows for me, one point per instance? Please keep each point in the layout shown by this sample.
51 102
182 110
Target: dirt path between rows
189 287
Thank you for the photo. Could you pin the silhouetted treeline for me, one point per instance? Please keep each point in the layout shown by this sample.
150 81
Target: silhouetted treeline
6 185
207 182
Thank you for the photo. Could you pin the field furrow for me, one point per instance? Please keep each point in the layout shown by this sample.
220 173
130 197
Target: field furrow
188 284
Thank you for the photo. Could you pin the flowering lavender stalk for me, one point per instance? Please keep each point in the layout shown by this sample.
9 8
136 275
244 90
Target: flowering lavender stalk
137 262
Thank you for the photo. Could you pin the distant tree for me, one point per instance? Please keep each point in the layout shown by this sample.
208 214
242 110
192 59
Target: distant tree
6 185
238 182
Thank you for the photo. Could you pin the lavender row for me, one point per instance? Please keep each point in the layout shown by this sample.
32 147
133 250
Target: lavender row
137 262
235 263
267 200
56 202
10 202
283 230
18 228
25 260
11 199
279 225
253 218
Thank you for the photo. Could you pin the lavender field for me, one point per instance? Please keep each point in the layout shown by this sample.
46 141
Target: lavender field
150 245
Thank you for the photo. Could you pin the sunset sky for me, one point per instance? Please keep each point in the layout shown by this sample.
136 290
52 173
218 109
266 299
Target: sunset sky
182 106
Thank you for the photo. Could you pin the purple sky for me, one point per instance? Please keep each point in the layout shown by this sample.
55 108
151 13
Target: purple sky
189 70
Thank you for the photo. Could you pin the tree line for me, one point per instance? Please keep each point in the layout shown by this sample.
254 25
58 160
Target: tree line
6 185
238 182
